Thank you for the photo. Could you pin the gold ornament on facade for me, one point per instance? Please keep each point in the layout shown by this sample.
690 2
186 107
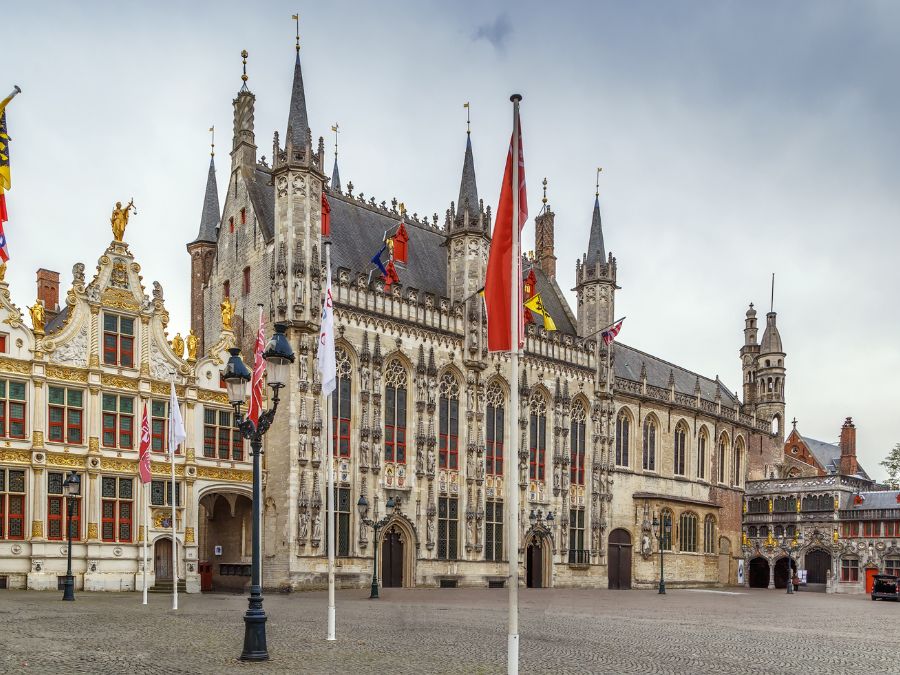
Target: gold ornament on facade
119 219
213 473
94 444
227 309
140 534
178 345
66 374
212 396
120 465
37 317
17 456
163 469
14 366
37 439
54 459
193 342
119 298
92 531
37 528
2 272
118 382
189 535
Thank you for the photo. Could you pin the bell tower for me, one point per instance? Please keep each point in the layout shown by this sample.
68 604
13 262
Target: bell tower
595 279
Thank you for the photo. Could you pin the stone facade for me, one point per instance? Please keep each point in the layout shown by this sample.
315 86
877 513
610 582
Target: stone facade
608 437
74 388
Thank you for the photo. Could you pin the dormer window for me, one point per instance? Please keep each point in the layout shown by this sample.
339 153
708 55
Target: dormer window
118 341
401 244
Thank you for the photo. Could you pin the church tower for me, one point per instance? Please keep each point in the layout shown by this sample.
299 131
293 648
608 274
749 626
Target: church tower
770 377
203 249
749 353
545 257
595 279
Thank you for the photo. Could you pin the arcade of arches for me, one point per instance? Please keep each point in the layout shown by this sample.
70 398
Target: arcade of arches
816 562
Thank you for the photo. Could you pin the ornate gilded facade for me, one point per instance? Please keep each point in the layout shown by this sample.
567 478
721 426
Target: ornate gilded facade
73 388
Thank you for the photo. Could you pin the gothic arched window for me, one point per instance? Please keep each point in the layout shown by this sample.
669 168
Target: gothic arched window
687 532
623 433
395 413
709 534
737 463
340 405
494 427
701 454
576 437
680 453
649 456
448 421
538 437
723 454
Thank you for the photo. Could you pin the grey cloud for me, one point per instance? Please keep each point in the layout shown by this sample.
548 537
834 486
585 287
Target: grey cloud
495 32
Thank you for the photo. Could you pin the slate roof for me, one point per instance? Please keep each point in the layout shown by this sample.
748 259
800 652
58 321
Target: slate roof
335 176
883 499
468 188
771 339
596 250
57 321
209 217
828 455
358 232
628 361
262 196
298 121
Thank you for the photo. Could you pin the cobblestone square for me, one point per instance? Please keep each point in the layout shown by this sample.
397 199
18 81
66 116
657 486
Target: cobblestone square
455 631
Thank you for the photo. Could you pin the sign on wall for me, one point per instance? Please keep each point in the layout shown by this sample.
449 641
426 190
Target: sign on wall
740 573
217 550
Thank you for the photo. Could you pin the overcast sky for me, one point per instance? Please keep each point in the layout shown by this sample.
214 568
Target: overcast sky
736 140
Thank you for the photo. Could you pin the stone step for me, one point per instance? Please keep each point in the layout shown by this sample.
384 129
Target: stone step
166 587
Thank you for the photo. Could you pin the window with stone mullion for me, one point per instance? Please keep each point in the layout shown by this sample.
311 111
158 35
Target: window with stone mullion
448 536
493 533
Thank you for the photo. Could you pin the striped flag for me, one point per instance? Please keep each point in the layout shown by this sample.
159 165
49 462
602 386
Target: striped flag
144 453
259 369
610 333
325 355
5 178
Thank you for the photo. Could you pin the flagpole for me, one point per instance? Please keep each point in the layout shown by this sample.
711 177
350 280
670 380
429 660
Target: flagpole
146 533
173 401
512 478
329 426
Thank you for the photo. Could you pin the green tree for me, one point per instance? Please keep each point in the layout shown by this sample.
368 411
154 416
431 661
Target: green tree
892 464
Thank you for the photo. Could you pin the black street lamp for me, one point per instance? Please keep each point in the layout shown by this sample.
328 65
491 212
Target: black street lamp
72 484
789 545
278 356
362 506
663 532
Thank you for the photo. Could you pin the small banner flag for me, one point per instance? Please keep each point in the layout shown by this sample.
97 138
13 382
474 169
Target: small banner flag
536 305
326 216
610 333
326 358
376 260
259 368
176 424
144 453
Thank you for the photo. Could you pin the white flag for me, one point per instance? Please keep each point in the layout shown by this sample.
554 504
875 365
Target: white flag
327 366
176 424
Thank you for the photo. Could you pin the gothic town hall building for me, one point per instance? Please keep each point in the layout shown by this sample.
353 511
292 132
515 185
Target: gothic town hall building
419 413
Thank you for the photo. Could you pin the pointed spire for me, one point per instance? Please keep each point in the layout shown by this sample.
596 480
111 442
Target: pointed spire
468 190
596 251
335 174
298 121
209 218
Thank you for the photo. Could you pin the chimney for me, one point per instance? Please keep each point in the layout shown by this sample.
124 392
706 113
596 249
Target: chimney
543 235
48 292
849 466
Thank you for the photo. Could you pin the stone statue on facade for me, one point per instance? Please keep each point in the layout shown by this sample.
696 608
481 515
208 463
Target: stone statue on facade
119 219
303 526
178 345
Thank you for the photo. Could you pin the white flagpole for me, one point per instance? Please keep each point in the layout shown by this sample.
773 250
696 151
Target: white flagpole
330 483
512 476
146 533
174 502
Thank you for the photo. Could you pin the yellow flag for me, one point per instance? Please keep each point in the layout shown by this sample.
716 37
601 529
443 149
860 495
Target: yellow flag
536 305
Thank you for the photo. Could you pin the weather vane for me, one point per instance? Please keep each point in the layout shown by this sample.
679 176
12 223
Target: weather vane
244 55
468 118
544 200
597 193
296 17
212 143
336 129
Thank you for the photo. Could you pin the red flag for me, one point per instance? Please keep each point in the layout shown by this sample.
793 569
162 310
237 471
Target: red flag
259 368
144 453
326 217
497 284
610 334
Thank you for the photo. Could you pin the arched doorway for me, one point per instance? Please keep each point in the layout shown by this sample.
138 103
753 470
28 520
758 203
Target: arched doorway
392 558
534 563
817 563
759 573
619 567
781 572
162 559
224 535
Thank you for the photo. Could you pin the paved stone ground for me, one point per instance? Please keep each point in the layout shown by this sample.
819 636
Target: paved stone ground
456 631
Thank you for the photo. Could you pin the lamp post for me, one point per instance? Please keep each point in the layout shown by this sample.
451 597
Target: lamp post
362 506
789 545
661 530
278 356
72 485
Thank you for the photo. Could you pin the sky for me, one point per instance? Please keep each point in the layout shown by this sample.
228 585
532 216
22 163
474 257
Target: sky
737 140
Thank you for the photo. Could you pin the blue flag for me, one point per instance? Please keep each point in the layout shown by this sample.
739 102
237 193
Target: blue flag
376 260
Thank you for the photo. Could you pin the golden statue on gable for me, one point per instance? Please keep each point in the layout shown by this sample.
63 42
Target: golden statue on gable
119 219
192 343
37 317
178 345
227 308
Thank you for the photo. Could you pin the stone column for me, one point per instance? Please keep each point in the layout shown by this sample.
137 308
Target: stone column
771 574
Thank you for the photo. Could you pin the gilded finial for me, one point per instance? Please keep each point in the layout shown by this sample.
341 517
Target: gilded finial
336 129
468 118
402 209
212 141
597 192
296 18
544 200
244 55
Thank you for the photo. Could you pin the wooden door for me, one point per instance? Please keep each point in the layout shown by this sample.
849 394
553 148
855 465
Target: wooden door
392 560
870 578
619 567
817 563
162 559
534 565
